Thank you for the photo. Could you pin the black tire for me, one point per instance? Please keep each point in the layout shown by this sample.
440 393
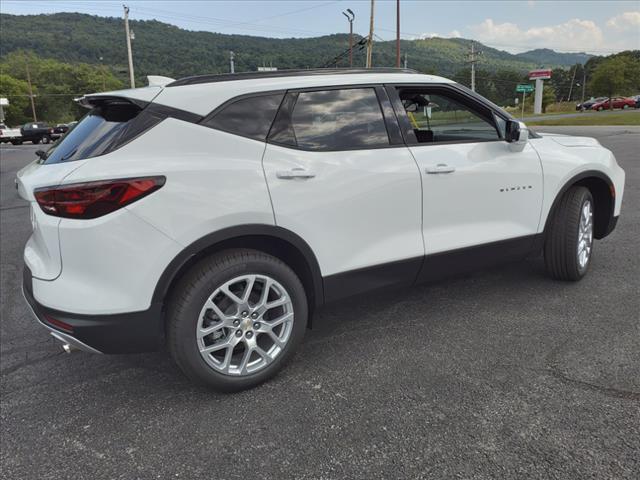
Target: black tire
625 106
46 139
561 239
193 290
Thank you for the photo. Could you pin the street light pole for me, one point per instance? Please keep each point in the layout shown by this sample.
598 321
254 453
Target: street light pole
350 16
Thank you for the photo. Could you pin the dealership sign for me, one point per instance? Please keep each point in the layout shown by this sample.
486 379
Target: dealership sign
542 74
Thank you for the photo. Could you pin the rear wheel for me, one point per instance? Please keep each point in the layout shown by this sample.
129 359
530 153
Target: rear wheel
46 139
235 319
625 106
569 240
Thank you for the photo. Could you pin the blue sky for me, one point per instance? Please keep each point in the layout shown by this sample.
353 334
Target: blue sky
600 27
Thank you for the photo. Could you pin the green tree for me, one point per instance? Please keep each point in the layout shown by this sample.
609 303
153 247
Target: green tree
56 84
17 92
618 75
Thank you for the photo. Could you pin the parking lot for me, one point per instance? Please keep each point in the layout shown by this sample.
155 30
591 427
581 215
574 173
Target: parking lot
500 374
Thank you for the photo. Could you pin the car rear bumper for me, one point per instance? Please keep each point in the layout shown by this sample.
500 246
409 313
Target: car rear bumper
118 333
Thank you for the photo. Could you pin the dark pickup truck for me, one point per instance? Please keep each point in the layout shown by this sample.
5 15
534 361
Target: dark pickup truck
35 132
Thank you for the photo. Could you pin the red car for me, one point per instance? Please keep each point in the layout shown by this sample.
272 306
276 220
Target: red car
618 102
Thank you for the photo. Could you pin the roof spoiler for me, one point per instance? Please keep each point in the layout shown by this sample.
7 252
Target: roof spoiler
90 101
158 80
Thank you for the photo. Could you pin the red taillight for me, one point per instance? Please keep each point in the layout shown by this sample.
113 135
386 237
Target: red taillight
94 199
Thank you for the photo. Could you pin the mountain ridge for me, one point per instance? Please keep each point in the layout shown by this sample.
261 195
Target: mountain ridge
164 49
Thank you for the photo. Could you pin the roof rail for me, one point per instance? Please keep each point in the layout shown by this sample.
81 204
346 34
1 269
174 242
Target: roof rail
226 77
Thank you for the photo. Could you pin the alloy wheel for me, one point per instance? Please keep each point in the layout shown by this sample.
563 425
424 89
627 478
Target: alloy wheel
585 234
245 325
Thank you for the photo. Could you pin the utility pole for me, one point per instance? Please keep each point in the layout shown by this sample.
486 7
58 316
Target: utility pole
104 83
350 16
232 67
397 33
129 54
370 39
584 82
405 59
33 105
473 59
573 78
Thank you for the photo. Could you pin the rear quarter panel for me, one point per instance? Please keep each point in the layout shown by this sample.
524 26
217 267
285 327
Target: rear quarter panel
214 179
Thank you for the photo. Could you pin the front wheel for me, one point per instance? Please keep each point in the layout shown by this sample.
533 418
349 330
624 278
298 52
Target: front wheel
625 106
46 139
235 319
568 244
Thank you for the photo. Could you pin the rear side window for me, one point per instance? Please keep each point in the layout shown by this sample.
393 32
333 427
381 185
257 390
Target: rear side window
333 120
95 134
249 117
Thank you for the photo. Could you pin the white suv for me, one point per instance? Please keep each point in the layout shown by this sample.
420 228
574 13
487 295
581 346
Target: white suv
214 214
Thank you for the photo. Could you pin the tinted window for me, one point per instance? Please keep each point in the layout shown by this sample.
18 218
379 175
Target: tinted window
250 117
339 120
95 134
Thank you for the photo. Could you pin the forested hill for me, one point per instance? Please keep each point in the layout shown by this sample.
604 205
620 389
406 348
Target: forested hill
163 49
546 56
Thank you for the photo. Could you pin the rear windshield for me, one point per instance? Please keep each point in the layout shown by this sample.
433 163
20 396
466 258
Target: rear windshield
94 134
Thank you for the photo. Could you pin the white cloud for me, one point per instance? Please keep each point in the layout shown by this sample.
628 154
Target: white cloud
451 34
575 34
625 21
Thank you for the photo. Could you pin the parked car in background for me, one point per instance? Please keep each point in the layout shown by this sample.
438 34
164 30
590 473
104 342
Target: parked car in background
618 102
8 134
35 132
59 130
589 103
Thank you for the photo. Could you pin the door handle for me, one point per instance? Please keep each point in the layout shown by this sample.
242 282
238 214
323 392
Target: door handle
294 173
440 168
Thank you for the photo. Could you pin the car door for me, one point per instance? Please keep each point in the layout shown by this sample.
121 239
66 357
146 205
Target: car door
341 178
476 190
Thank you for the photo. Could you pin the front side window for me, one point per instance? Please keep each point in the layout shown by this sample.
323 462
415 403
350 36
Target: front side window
334 120
436 117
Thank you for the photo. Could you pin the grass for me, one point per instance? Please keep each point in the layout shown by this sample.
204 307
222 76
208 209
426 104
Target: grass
609 119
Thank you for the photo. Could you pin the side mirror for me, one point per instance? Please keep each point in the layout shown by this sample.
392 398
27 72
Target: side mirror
516 135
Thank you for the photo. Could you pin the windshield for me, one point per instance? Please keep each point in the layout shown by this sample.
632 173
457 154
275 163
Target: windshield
94 134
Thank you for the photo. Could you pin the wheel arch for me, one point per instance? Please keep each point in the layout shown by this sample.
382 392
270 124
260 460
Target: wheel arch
273 240
603 192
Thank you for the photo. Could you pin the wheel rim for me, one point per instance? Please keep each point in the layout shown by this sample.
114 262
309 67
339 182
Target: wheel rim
245 325
585 234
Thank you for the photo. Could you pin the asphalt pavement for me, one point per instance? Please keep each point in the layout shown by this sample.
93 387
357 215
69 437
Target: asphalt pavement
500 374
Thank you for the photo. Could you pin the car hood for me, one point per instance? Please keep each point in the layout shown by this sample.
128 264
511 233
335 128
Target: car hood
568 141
